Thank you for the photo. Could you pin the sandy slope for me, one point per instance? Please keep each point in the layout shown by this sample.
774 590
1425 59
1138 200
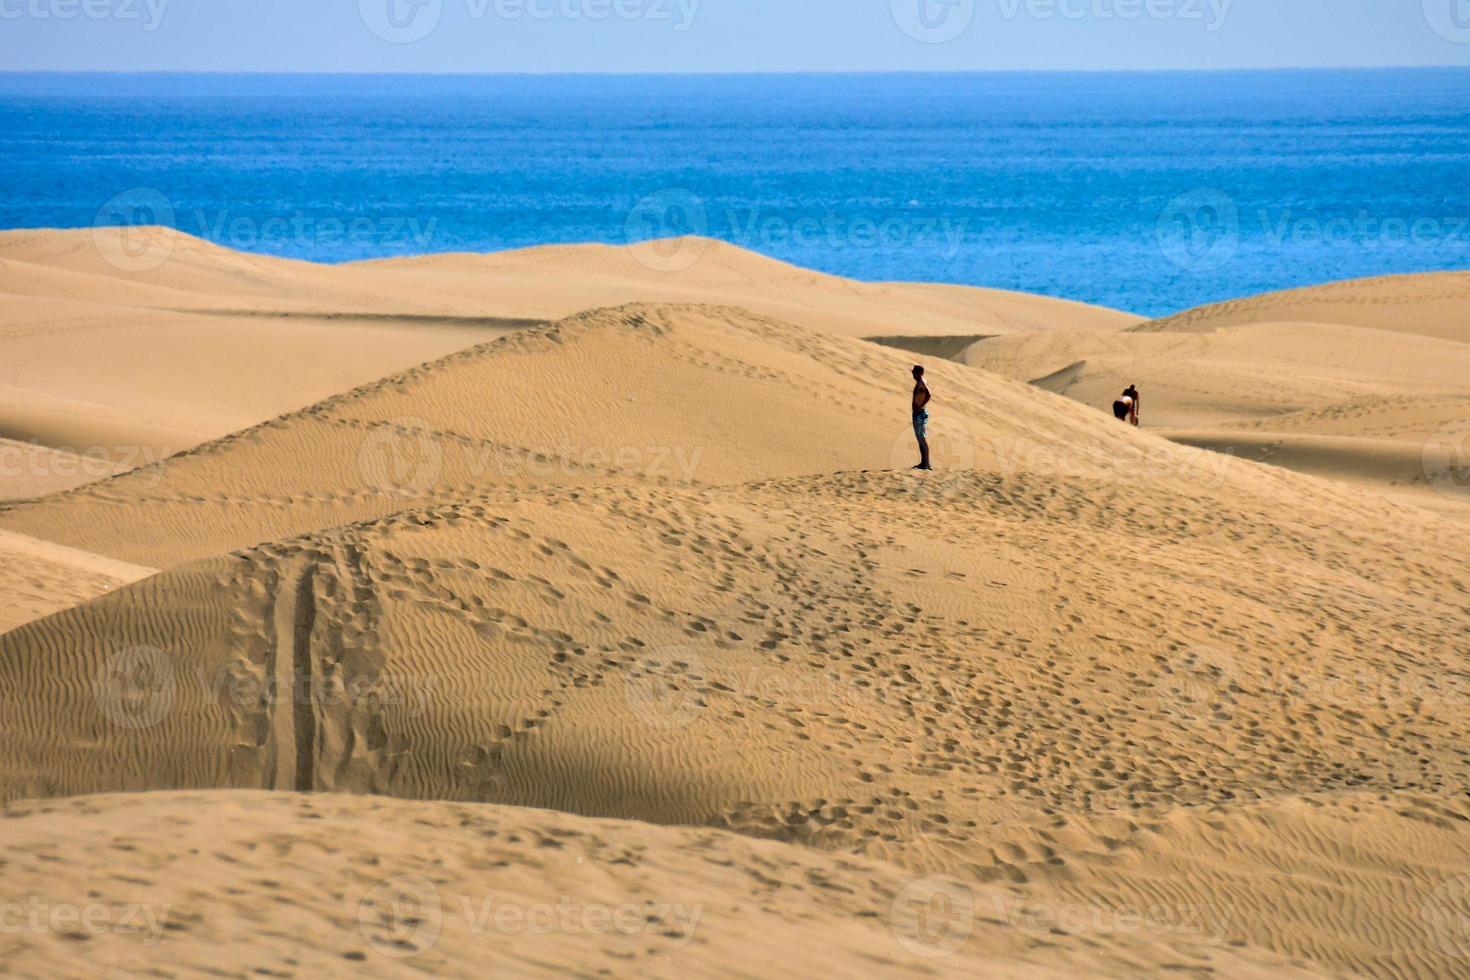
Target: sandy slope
40 577
647 564
164 269
151 340
446 889
138 365
1256 373
122 882
647 395
29 469
1434 304
552 282
119 349
1378 396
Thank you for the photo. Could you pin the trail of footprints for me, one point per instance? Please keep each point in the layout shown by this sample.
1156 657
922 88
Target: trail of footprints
923 729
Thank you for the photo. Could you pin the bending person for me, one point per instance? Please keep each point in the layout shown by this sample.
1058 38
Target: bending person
1125 409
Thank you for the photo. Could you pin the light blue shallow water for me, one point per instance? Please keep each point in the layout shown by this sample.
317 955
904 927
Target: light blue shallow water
1149 192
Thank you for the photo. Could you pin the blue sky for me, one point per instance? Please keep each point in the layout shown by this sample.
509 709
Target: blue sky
726 35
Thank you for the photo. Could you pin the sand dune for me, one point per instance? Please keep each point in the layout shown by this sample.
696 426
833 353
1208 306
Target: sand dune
665 563
1380 396
767 665
1435 304
140 343
1372 462
444 889
1243 374
160 268
471 649
136 365
641 607
645 395
553 282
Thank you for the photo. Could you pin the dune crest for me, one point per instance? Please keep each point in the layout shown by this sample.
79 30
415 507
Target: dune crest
1430 304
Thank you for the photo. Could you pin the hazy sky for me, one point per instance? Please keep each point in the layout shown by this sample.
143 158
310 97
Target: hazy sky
725 35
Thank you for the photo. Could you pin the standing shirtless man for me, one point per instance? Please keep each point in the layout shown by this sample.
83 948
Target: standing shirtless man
921 418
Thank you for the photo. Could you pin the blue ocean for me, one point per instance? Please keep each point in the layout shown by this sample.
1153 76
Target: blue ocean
1149 192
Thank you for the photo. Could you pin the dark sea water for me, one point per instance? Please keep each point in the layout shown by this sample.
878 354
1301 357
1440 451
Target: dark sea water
1150 192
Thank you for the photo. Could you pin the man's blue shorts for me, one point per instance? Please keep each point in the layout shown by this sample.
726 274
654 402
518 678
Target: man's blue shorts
921 425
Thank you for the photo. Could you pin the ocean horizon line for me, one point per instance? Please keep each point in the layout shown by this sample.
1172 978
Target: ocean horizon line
773 73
